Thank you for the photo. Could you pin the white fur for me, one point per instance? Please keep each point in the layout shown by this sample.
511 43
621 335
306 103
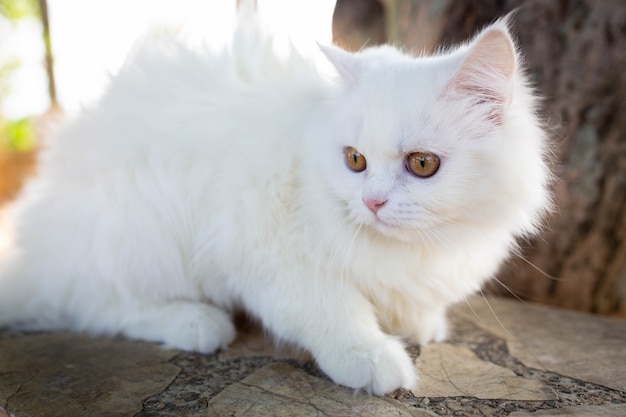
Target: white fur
206 182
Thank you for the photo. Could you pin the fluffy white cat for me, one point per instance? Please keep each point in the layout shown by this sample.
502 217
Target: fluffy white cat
346 213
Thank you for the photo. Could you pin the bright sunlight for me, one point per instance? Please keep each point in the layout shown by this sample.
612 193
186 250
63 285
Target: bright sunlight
91 39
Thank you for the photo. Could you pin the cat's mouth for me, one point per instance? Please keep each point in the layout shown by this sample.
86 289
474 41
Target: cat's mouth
381 222
383 226
391 228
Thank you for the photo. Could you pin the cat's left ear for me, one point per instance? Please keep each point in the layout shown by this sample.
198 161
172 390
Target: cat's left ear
486 73
344 62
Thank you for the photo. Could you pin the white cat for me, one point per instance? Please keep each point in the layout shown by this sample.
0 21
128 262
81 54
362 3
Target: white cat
345 213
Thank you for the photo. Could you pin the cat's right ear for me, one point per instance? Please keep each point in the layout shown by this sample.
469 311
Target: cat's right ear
344 62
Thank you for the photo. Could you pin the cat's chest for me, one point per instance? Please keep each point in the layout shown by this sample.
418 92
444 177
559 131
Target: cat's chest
401 277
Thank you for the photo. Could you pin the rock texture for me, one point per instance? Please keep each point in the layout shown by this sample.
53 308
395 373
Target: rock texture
553 340
280 389
455 371
63 374
503 358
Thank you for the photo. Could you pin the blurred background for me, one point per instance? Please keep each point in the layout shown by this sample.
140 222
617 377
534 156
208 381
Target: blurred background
57 55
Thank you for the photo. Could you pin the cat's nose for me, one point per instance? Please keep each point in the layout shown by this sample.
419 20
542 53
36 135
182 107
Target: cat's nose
374 204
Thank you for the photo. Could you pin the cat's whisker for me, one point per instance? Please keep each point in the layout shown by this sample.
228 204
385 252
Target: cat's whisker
356 233
517 253
509 290
435 238
449 221
480 320
495 316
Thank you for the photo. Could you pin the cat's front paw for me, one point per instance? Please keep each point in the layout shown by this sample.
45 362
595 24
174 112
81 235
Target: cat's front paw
378 368
192 326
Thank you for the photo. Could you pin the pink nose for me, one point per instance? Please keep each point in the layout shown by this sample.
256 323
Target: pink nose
374 204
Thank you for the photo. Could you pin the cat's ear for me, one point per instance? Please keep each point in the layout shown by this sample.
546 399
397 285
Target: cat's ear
486 73
344 62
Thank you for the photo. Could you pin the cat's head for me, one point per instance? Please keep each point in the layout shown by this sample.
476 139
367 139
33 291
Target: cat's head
425 149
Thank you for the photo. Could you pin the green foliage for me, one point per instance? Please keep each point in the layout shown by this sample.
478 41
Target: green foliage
18 9
18 135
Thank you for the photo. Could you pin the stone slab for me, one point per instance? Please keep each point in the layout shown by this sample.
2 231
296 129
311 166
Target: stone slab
62 374
452 371
490 366
582 346
280 389
609 410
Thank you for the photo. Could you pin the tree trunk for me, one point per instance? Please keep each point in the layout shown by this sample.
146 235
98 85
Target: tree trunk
575 53
45 22
358 24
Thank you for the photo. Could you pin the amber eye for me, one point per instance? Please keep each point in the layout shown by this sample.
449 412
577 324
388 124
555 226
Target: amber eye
354 160
423 164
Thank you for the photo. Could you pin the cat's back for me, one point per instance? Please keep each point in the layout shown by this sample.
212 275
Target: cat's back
229 107
181 148
180 138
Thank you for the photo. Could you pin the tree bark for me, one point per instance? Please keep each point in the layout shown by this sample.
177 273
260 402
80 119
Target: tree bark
575 53
358 24
52 89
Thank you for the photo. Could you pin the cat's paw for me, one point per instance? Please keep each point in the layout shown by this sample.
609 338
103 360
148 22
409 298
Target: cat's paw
197 327
378 368
185 325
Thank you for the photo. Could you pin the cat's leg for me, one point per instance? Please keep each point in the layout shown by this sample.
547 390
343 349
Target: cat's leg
339 327
425 325
186 325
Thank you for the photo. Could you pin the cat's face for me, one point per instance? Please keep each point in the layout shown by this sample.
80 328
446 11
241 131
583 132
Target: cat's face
396 164
418 150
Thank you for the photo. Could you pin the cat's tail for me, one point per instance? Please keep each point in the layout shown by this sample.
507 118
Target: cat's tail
260 53
247 9
249 40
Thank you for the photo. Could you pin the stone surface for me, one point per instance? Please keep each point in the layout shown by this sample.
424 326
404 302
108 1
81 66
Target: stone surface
253 342
524 360
452 371
62 374
573 344
280 389
610 410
